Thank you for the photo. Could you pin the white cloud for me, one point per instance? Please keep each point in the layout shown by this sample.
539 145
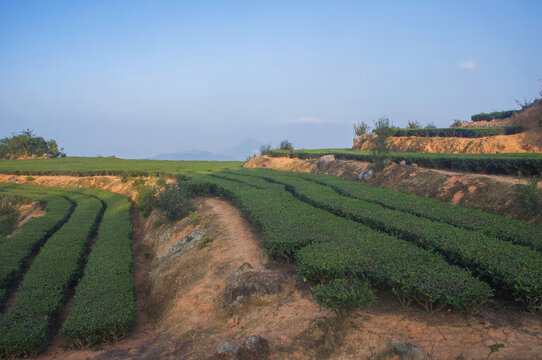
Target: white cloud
466 65
308 120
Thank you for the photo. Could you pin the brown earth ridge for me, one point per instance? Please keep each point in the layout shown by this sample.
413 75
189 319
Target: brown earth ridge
528 141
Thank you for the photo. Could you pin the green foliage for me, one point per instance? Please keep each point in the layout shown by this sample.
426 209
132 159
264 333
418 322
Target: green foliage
104 305
383 130
25 326
329 247
8 218
195 219
344 295
361 128
145 198
27 143
414 125
460 132
456 123
530 198
174 201
502 227
286 145
204 242
510 268
79 166
493 115
507 164
15 250
430 125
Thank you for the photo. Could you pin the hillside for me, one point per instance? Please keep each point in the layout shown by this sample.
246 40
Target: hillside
528 141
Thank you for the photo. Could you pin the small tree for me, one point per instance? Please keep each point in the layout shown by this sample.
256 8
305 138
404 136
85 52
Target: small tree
380 149
361 128
430 125
414 125
456 123
286 145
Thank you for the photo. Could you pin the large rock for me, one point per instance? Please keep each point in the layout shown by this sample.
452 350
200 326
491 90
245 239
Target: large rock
407 351
247 282
254 348
225 351
365 174
325 160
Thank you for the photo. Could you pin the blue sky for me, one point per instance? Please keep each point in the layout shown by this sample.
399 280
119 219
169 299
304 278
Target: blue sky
138 78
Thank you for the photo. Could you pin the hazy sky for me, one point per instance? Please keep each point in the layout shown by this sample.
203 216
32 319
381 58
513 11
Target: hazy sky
138 78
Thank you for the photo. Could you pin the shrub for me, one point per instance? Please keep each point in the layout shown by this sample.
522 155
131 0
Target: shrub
361 128
414 125
8 219
145 200
530 198
286 145
174 201
456 123
430 125
493 115
380 149
343 296
460 132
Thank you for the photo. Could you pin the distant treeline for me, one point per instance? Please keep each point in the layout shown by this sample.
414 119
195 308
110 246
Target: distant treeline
28 144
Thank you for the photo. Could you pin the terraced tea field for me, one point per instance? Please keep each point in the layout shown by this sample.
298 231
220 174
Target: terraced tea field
54 245
425 251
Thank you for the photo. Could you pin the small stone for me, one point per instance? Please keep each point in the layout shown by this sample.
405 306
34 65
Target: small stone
407 351
364 174
225 350
414 164
254 348
402 163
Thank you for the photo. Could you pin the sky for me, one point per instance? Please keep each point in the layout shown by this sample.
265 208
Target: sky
138 78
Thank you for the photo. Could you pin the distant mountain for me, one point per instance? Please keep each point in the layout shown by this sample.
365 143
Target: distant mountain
238 152
241 151
193 154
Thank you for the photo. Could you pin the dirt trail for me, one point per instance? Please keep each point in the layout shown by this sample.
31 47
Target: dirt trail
491 193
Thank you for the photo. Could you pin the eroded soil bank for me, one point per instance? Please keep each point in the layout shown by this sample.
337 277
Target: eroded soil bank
181 273
491 193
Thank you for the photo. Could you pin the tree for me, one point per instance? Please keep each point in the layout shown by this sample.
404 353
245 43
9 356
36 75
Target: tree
361 128
286 145
414 125
27 144
383 130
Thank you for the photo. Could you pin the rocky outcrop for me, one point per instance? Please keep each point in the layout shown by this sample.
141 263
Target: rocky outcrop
246 283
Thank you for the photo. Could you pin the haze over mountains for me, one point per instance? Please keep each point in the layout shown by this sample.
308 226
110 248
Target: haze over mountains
238 152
